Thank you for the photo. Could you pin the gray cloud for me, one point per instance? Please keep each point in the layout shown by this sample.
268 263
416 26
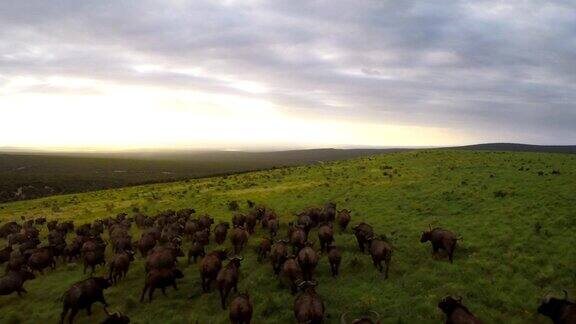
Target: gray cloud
498 70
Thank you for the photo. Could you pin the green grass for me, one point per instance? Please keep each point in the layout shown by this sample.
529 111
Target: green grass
502 267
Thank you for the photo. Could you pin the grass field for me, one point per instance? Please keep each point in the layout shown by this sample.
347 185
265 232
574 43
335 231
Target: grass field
517 220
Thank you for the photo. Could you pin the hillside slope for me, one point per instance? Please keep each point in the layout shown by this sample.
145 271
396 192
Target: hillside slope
515 147
515 216
28 176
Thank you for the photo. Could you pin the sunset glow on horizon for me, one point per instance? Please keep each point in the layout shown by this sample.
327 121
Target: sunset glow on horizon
251 74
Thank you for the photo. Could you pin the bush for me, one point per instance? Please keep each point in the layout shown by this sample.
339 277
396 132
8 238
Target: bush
233 205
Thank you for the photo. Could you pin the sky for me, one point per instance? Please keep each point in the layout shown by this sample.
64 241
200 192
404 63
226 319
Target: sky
114 74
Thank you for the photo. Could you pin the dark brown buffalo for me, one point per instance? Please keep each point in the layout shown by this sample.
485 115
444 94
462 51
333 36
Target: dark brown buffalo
220 232
241 309
41 259
325 236
13 281
16 261
146 243
122 243
205 221
305 221
264 248
278 255
82 295
251 221
163 257
560 311
298 237
202 236
93 254
29 244
334 259
343 219
119 266
308 260
362 232
210 265
116 318
362 320
40 220
72 251
291 273
65 227
191 227
30 231
51 225
160 278
16 238
329 212
314 214
196 250
380 250
456 313
227 279
441 239
5 254
238 220
239 238
9 228
308 306
273 226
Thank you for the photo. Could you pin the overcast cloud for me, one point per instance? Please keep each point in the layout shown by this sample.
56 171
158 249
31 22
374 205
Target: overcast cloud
492 70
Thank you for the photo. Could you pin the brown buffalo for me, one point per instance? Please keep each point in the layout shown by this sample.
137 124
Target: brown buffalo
227 279
325 236
278 255
41 258
343 219
291 272
308 260
238 220
264 248
456 313
380 250
196 250
334 259
220 232
210 266
308 306
298 237
13 282
441 239
160 278
560 311
239 238
362 232
5 254
82 295
119 266
241 309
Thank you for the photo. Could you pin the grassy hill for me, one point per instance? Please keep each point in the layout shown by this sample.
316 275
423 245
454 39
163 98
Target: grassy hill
28 176
516 218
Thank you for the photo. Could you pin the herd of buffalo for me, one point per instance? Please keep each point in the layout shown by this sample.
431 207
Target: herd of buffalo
293 258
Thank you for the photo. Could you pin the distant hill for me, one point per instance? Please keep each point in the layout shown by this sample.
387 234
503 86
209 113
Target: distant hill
33 175
514 147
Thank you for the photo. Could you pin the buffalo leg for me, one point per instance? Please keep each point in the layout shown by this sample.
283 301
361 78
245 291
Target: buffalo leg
63 314
151 293
143 292
72 315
